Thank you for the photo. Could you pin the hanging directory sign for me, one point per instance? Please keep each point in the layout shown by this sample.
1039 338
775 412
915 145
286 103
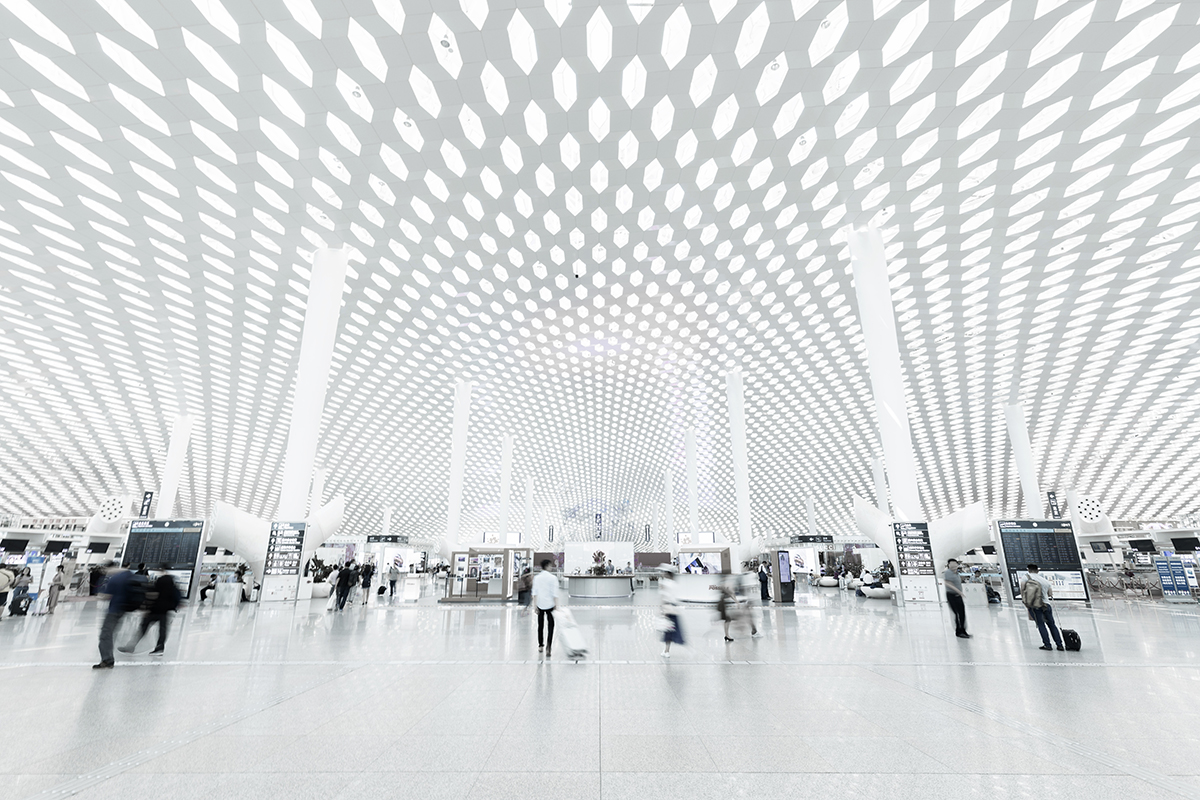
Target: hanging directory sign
914 555
1049 543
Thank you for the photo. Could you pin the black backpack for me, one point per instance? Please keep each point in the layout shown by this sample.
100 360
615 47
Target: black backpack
135 596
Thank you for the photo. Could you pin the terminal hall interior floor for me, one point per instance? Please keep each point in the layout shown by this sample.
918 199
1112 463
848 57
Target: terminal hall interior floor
842 697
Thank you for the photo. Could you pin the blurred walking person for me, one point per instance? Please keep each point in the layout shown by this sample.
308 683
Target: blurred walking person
393 576
669 601
125 591
545 596
166 598
954 598
344 578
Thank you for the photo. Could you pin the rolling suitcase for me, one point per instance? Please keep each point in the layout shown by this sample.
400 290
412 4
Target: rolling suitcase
1071 640
570 635
20 606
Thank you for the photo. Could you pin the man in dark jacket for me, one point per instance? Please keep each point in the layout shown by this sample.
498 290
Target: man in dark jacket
164 598
346 578
125 591
764 580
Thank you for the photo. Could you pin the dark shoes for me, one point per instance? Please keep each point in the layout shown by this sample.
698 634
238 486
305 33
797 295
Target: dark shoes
156 652
728 639
125 649
1045 647
104 665
1060 647
963 635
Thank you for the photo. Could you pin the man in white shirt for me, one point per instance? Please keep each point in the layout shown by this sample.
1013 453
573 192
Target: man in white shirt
545 597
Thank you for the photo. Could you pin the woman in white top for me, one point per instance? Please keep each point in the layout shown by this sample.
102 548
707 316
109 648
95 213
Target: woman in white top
672 632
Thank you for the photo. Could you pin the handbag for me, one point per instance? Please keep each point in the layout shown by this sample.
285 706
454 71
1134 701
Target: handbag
663 624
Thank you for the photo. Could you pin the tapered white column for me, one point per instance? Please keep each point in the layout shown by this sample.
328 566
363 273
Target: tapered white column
458 462
318 491
1018 434
527 536
654 527
811 507
669 511
181 434
506 455
735 394
881 498
387 521
878 319
312 377
693 483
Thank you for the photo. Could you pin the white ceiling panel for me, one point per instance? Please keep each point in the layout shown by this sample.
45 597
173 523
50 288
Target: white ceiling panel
593 212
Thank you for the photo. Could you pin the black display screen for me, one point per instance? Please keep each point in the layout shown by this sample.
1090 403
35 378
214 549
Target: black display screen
1187 545
13 545
1102 547
55 547
1143 545
154 543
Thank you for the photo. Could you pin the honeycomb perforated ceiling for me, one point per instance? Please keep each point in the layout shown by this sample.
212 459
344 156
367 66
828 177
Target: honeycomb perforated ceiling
593 211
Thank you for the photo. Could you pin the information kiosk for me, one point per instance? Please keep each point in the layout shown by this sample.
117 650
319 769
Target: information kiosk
1049 543
174 543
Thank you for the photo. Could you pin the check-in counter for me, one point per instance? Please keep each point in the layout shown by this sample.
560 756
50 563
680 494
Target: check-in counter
600 586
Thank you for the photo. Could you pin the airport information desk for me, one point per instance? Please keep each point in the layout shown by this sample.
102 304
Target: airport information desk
600 586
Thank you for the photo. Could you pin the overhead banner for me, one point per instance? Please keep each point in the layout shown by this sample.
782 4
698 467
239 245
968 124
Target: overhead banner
914 554
1049 543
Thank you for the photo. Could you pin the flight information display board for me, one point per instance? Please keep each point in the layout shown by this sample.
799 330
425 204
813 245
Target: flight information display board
914 557
175 543
285 548
1049 543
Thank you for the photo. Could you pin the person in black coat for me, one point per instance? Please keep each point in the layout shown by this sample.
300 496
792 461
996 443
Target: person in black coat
346 578
764 580
163 598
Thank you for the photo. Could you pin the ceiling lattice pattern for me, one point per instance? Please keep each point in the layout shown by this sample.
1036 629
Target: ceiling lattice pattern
593 211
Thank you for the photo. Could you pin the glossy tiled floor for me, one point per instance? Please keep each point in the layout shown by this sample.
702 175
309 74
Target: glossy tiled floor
842 697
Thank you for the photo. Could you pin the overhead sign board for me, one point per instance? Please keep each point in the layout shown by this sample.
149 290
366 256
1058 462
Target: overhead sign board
390 538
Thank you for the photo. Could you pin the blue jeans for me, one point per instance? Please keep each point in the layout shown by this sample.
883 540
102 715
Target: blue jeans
1044 617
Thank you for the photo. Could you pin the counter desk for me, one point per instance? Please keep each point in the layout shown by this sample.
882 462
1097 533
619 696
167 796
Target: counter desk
600 586
698 588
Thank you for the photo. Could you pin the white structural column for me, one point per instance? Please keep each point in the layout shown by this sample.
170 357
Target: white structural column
318 491
527 536
693 483
387 521
1018 434
654 527
312 376
181 434
878 319
458 461
735 393
881 498
506 455
812 516
669 511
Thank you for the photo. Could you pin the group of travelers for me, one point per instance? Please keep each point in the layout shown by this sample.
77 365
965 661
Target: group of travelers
131 591
349 580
